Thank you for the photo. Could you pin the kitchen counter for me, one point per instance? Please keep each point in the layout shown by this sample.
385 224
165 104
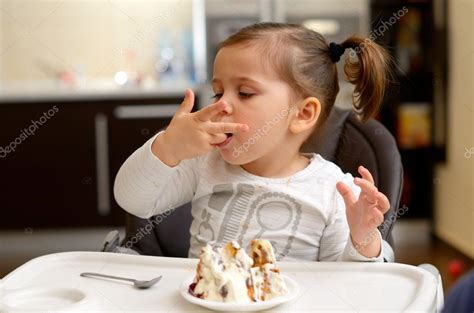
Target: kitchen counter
46 91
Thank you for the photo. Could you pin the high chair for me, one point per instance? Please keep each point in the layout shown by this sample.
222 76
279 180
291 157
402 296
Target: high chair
343 140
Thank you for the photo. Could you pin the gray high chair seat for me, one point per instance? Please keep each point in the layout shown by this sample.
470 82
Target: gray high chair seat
344 141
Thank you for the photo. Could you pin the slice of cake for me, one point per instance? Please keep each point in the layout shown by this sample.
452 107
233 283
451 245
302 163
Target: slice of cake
267 281
228 274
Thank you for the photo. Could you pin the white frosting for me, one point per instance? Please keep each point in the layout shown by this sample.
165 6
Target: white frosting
223 275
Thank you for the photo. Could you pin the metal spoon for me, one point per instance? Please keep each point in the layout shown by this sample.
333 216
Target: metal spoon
140 284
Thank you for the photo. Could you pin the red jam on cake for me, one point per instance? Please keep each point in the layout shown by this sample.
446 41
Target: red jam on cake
228 274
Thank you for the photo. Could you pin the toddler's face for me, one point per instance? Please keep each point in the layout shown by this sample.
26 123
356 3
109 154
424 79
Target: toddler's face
254 95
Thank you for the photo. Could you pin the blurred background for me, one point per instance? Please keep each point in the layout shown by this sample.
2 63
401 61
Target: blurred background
84 83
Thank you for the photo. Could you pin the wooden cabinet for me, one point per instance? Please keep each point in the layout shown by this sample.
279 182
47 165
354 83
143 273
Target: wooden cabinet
61 166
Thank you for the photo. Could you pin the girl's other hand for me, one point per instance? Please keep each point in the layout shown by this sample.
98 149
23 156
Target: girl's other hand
365 213
191 134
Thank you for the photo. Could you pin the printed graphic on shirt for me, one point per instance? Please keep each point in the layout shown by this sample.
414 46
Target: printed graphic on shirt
244 215
235 213
205 232
232 217
273 212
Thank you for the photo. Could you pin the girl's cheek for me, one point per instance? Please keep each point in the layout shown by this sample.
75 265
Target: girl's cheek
247 121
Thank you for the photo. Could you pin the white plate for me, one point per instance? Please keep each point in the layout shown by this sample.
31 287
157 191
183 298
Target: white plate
243 307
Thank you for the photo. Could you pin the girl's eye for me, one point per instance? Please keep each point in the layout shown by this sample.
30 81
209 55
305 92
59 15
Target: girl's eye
242 94
245 95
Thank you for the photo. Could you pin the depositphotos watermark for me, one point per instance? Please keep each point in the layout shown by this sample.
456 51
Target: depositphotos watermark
379 31
144 231
27 132
260 132
386 223
469 153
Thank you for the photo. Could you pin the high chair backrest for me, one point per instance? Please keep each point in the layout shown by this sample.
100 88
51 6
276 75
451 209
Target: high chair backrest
349 143
343 140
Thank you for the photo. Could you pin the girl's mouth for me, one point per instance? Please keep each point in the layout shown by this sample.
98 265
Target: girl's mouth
226 142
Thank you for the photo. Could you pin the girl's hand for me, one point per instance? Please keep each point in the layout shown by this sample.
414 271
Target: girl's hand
191 134
364 214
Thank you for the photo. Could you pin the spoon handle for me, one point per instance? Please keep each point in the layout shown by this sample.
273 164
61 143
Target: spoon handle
107 276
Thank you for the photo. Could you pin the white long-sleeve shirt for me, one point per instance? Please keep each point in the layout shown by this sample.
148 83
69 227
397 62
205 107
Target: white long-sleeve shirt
303 216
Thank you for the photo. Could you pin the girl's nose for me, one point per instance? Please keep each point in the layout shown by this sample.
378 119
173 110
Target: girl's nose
226 108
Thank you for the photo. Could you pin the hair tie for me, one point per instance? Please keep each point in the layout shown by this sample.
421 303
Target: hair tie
336 50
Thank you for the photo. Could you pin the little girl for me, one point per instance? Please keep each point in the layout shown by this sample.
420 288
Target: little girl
238 159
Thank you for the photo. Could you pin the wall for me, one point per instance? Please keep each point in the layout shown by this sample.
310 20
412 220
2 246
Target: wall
454 182
41 37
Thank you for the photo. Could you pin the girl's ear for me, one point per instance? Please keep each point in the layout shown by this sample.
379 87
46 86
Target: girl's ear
306 115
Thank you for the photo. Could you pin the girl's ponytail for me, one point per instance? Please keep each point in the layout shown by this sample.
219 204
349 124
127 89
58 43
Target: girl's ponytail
368 68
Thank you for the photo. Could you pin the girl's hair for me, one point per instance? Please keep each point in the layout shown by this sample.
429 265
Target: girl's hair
302 58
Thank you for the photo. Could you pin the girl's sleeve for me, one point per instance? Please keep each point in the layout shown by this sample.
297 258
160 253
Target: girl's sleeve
336 244
145 186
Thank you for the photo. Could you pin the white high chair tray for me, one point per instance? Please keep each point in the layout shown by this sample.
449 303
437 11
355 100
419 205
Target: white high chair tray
51 283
